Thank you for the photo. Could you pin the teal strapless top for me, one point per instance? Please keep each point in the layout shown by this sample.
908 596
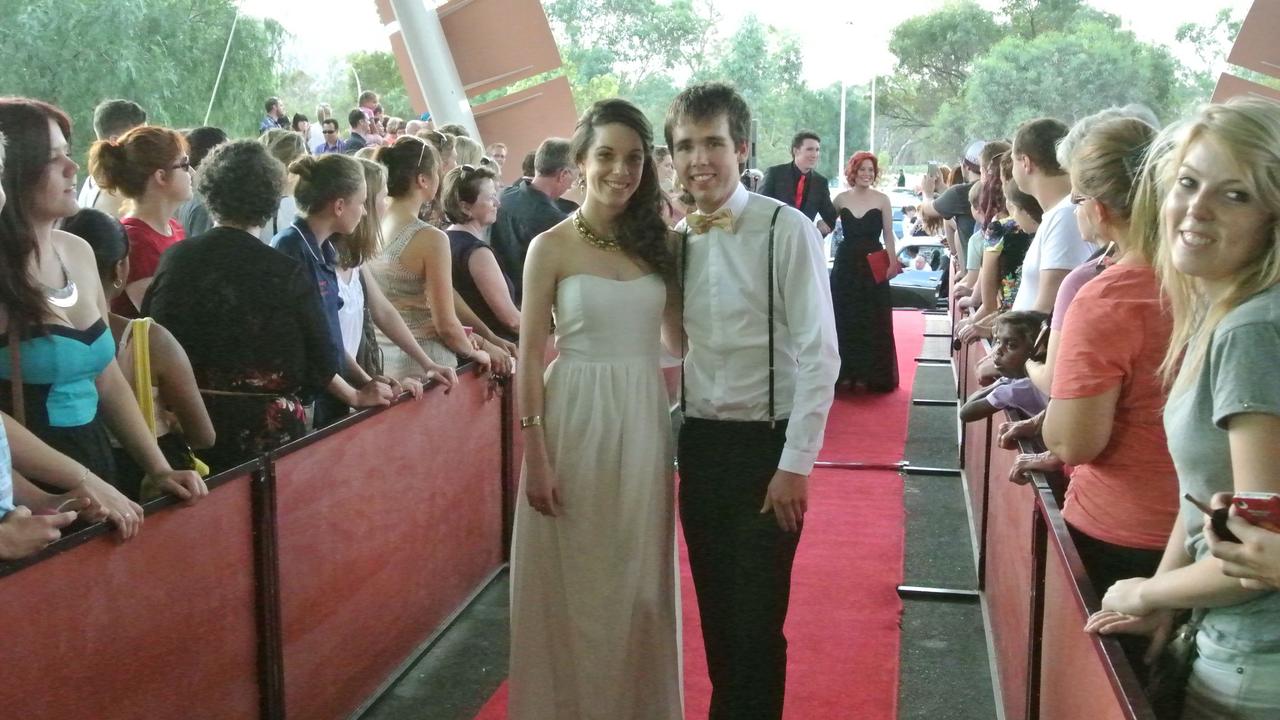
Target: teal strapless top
62 367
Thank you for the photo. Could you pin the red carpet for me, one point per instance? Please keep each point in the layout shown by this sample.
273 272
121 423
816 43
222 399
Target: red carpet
843 624
870 427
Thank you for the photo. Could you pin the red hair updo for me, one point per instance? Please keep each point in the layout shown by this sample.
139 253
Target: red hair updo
851 169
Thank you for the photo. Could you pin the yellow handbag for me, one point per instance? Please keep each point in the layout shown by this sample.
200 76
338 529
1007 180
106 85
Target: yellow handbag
141 329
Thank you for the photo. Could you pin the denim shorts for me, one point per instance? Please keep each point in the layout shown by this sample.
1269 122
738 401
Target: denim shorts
1232 685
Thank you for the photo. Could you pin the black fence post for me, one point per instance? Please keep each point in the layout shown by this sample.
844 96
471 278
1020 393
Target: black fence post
266 572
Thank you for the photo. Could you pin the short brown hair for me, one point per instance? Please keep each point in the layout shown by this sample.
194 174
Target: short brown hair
707 101
462 185
1038 140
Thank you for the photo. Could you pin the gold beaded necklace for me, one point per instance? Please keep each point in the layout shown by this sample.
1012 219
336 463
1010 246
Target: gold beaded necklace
609 244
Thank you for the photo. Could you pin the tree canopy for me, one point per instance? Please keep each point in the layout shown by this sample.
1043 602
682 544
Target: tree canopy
162 54
962 71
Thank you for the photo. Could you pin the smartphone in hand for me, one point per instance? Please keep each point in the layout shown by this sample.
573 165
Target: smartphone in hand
1218 518
1261 509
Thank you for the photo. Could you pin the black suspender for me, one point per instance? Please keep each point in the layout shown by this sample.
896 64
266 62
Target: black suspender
684 275
772 224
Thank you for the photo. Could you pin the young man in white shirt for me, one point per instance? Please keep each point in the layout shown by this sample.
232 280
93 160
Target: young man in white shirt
1058 247
753 422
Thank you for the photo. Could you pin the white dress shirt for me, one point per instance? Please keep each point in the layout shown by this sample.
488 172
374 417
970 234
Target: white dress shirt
726 318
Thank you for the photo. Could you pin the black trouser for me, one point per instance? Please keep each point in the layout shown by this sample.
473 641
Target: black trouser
740 560
1105 564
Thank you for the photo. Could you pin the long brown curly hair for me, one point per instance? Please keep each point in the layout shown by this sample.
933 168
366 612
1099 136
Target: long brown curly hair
640 229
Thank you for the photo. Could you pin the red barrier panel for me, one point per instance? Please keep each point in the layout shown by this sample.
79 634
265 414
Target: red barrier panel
1082 675
383 533
1009 580
163 626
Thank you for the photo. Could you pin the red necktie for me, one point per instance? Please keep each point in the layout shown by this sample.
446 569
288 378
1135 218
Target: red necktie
800 192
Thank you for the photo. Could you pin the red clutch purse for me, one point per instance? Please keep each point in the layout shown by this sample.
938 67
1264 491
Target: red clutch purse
879 263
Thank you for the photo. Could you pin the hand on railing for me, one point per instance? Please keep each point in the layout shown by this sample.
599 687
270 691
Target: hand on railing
186 485
1012 431
373 394
972 332
1255 560
1031 462
110 505
1156 625
23 534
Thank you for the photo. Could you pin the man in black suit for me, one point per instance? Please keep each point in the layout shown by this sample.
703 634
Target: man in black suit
799 185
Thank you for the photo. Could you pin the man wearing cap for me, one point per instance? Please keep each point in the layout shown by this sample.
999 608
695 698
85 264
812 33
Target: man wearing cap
953 203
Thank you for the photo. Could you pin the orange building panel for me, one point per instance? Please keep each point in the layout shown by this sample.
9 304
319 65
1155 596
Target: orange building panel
524 119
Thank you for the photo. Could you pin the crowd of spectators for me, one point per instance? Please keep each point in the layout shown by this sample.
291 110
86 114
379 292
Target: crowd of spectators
1129 279
199 300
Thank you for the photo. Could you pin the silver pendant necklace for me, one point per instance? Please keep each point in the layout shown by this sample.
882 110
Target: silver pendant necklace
65 296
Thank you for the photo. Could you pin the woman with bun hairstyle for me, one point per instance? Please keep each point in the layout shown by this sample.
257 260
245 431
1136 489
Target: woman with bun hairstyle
415 270
52 305
330 193
365 308
148 166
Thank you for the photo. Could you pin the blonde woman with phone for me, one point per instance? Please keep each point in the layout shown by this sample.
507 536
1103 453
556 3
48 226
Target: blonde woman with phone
1219 263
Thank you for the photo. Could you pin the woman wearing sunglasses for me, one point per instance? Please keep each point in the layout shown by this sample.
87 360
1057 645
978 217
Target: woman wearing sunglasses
149 166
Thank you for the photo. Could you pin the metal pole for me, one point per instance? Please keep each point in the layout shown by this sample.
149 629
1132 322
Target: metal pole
840 156
872 144
433 63
221 67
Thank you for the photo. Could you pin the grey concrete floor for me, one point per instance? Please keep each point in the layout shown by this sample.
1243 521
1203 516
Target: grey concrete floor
455 678
945 673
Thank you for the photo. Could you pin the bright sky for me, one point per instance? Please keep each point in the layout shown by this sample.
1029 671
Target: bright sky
329 29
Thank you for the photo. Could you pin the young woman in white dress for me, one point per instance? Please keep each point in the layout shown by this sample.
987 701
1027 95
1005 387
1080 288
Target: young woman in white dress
594 630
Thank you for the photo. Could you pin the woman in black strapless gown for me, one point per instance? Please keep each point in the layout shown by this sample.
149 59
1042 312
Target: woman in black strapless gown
863 310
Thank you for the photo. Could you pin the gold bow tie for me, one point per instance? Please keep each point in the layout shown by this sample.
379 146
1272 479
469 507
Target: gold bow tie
701 224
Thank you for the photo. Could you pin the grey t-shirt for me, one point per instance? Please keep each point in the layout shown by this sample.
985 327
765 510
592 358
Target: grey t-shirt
1238 377
954 203
194 217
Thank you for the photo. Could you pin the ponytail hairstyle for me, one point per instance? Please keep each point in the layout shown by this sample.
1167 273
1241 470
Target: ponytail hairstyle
284 145
362 245
991 197
125 165
639 229
1105 165
324 179
406 159
25 123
